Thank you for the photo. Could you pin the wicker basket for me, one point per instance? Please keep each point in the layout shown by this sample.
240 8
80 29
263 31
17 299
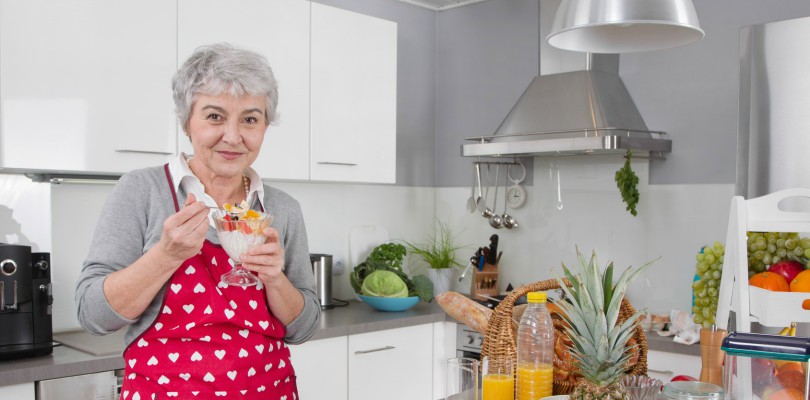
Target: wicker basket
499 339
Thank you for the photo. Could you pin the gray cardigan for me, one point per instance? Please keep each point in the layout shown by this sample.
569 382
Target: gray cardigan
131 222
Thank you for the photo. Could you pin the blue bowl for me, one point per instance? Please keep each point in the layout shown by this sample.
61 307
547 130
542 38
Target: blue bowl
390 303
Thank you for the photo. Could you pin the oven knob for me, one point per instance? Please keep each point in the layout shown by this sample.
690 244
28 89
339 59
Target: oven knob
470 339
42 265
481 340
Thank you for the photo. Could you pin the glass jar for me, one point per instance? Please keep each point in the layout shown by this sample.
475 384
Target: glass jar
691 390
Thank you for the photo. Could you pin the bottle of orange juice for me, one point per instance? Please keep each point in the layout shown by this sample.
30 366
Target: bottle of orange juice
535 350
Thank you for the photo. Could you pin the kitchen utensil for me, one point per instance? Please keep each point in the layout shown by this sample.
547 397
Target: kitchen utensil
471 206
493 250
516 194
322 268
508 221
496 221
712 355
559 191
487 211
462 379
473 261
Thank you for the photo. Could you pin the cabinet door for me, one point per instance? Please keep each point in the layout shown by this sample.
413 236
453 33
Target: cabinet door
279 30
20 391
321 368
665 366
392 364
85 84
354 81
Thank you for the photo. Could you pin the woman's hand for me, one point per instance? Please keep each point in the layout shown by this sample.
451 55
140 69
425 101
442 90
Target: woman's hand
184 232
266 260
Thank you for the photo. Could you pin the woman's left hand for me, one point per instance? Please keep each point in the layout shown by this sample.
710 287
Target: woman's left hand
266 260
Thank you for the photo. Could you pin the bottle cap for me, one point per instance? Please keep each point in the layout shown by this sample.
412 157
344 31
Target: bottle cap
536 297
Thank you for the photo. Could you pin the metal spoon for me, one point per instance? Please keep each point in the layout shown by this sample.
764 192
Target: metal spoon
509 221
487 212
471 206
496 221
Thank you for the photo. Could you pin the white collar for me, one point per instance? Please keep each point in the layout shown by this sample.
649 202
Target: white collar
182 177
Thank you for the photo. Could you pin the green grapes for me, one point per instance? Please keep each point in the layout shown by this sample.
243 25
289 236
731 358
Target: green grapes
709 267
768 248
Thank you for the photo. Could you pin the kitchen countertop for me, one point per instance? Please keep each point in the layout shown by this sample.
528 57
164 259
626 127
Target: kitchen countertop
341 321
69 361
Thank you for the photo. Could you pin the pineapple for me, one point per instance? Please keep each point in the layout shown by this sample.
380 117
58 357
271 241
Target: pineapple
598 341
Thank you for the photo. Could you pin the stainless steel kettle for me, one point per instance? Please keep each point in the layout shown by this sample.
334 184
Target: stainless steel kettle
322 268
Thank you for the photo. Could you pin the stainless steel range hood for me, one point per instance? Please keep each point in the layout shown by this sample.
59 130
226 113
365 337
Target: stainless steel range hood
582 107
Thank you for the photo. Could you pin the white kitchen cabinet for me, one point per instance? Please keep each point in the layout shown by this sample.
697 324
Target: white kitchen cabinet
664 366
353 112
380 362
20 391
85 84
321 368
279 30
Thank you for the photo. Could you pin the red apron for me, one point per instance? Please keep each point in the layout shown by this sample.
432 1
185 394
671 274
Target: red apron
210 340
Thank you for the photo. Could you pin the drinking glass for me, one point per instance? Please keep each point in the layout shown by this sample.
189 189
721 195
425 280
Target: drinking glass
237 236
462 379
498 377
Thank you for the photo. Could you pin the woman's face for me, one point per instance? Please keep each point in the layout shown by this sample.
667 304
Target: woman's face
226 133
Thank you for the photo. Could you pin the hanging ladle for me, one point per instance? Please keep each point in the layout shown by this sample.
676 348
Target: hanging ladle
496 221
487 212
471 202
509 221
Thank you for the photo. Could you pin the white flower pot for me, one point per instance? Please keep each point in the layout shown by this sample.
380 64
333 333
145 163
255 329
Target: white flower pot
442 279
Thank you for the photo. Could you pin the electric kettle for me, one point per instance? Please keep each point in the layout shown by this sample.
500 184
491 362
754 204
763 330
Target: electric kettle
322 268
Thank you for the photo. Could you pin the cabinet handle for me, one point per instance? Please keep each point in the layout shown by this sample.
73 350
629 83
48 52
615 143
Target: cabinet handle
337 163
165 153
658 371
375 350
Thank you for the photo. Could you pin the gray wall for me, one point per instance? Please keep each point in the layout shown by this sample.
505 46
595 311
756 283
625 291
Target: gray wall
461 70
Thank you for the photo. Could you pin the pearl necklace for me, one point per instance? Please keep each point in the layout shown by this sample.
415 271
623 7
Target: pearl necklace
246 181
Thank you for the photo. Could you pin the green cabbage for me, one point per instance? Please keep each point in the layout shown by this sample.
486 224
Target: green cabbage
382 283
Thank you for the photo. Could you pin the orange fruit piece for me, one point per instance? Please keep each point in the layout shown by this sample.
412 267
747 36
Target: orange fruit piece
801 283
770 281
791 379
251 214
787 394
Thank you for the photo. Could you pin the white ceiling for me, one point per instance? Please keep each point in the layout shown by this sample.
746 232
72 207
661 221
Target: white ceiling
439 5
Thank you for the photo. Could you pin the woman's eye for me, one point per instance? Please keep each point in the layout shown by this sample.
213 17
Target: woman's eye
251 120
214 117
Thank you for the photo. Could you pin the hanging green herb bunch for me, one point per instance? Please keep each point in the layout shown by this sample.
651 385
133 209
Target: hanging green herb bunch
627 181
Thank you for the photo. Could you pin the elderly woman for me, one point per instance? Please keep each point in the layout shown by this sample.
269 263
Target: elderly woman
154 264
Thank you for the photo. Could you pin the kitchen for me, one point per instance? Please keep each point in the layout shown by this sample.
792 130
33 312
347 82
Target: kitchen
457 78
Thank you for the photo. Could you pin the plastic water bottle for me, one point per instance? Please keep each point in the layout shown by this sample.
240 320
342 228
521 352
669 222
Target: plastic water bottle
535 350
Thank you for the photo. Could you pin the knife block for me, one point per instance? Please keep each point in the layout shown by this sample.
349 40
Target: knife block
485 282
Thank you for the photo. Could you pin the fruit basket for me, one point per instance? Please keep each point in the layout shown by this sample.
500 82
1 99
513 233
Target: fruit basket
752 304
500 336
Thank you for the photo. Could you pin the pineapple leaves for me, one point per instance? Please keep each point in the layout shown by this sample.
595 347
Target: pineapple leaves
591 314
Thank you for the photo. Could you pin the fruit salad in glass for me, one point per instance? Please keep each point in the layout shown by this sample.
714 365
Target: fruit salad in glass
239 229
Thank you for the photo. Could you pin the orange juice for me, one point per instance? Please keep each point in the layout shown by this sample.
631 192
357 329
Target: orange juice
498 387
534 382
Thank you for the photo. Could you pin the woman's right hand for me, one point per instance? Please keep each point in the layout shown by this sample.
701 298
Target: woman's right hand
184 232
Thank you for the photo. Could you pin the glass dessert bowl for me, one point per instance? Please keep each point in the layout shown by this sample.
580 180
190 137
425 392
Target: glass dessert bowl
240 229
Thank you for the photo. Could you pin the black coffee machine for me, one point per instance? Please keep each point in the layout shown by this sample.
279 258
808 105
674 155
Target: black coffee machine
26 302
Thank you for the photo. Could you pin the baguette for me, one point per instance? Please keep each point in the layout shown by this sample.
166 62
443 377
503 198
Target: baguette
465 310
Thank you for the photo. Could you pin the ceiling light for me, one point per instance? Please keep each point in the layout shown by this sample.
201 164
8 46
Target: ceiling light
624 26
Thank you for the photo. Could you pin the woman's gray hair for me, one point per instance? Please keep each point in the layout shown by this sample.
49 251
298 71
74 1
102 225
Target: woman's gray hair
221 68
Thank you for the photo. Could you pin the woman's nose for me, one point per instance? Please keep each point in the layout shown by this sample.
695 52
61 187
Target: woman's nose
231 133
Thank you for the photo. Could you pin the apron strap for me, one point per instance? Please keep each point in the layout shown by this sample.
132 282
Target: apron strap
171 186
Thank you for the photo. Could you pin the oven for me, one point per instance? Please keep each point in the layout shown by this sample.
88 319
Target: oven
468 342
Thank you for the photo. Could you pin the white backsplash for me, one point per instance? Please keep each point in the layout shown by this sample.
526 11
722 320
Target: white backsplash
673 222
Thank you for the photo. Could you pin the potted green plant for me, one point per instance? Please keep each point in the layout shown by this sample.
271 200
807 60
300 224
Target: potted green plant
439 252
